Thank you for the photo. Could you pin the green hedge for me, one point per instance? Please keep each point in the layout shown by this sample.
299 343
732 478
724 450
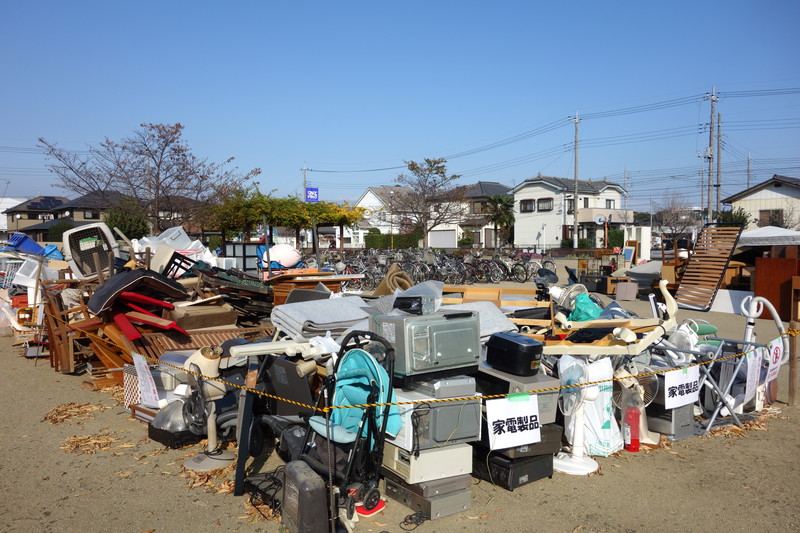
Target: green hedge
407 240
582 243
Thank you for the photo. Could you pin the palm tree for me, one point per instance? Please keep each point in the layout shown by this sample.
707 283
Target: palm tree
500 212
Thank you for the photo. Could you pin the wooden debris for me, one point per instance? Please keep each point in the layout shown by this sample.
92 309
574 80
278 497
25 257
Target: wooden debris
72 411
98 383
88 444
261 513
206 479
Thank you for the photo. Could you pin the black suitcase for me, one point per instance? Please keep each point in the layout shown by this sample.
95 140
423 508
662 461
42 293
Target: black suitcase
514 353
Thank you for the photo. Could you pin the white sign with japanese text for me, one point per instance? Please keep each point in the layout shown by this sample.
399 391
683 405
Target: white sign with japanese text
681 387
754 359
147 385
513 421
775 348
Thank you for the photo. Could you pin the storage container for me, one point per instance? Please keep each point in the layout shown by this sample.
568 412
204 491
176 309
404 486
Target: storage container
514 353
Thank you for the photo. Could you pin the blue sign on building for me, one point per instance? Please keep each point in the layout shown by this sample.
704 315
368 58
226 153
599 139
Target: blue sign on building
312 194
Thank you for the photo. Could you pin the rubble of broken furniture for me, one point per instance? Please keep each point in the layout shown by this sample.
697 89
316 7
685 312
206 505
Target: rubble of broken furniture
91 308
96 327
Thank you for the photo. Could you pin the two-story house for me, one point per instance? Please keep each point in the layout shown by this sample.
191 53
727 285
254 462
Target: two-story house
382 212
386 216
775 202
7 223
473 221
544 211
29 215
89 208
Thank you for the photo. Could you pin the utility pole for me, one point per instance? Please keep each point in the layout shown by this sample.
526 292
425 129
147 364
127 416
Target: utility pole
710 153
748 169
577 121
625 198
702 188
719 160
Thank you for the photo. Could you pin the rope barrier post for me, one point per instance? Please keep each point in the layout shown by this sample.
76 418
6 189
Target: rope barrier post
793 365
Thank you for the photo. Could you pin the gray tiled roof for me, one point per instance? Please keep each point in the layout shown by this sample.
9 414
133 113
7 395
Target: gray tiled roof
775 179
93 200
484 189
568 184
40 203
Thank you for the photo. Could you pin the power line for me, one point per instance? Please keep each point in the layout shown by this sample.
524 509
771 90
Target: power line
644 108
755 93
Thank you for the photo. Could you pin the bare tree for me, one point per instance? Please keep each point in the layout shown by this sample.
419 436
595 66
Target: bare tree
432 198
676 218
156 167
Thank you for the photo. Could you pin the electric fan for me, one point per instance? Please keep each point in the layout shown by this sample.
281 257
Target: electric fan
200 410
564 302
675 350
635 388
564 298
572 400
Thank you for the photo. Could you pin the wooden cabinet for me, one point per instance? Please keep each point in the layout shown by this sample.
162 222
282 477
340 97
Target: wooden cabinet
773 281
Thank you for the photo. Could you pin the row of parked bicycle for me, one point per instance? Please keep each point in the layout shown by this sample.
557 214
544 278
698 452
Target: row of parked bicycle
424 265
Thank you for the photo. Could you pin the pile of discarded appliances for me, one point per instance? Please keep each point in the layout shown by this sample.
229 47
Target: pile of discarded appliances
412 395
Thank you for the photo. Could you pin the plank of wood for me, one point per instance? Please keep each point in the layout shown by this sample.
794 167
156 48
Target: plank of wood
126 326
135 297
163 323
115 335
98 383
110 359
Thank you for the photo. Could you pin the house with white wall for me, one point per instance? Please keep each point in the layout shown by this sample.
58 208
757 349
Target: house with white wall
381 213
544 211
384 214
473 221
775 202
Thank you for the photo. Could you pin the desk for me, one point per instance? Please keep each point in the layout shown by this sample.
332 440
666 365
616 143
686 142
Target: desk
283 284
773 281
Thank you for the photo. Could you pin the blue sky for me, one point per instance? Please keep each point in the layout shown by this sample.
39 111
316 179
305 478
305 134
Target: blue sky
353 86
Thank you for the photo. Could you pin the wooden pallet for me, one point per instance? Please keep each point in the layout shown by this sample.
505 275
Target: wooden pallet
153 345
706 269
504 298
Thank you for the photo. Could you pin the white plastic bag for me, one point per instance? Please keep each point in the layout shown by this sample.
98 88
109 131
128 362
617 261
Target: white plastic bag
602 435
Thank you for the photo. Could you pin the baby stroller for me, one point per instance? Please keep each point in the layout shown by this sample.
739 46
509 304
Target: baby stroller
345 445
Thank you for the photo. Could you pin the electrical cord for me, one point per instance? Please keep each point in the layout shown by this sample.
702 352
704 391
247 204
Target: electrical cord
413 521
415 421
265 492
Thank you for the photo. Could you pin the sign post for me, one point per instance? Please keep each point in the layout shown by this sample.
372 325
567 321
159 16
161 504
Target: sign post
312 195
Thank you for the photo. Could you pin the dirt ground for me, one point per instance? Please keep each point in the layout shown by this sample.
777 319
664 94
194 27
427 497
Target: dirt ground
734 481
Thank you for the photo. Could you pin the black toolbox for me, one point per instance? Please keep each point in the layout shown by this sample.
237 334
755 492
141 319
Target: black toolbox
514 353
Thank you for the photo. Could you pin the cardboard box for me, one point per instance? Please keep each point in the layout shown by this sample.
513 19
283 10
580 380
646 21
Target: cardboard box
627 291
610 284
211 315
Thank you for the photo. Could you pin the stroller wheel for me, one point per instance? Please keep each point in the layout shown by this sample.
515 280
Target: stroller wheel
371 499
350 506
